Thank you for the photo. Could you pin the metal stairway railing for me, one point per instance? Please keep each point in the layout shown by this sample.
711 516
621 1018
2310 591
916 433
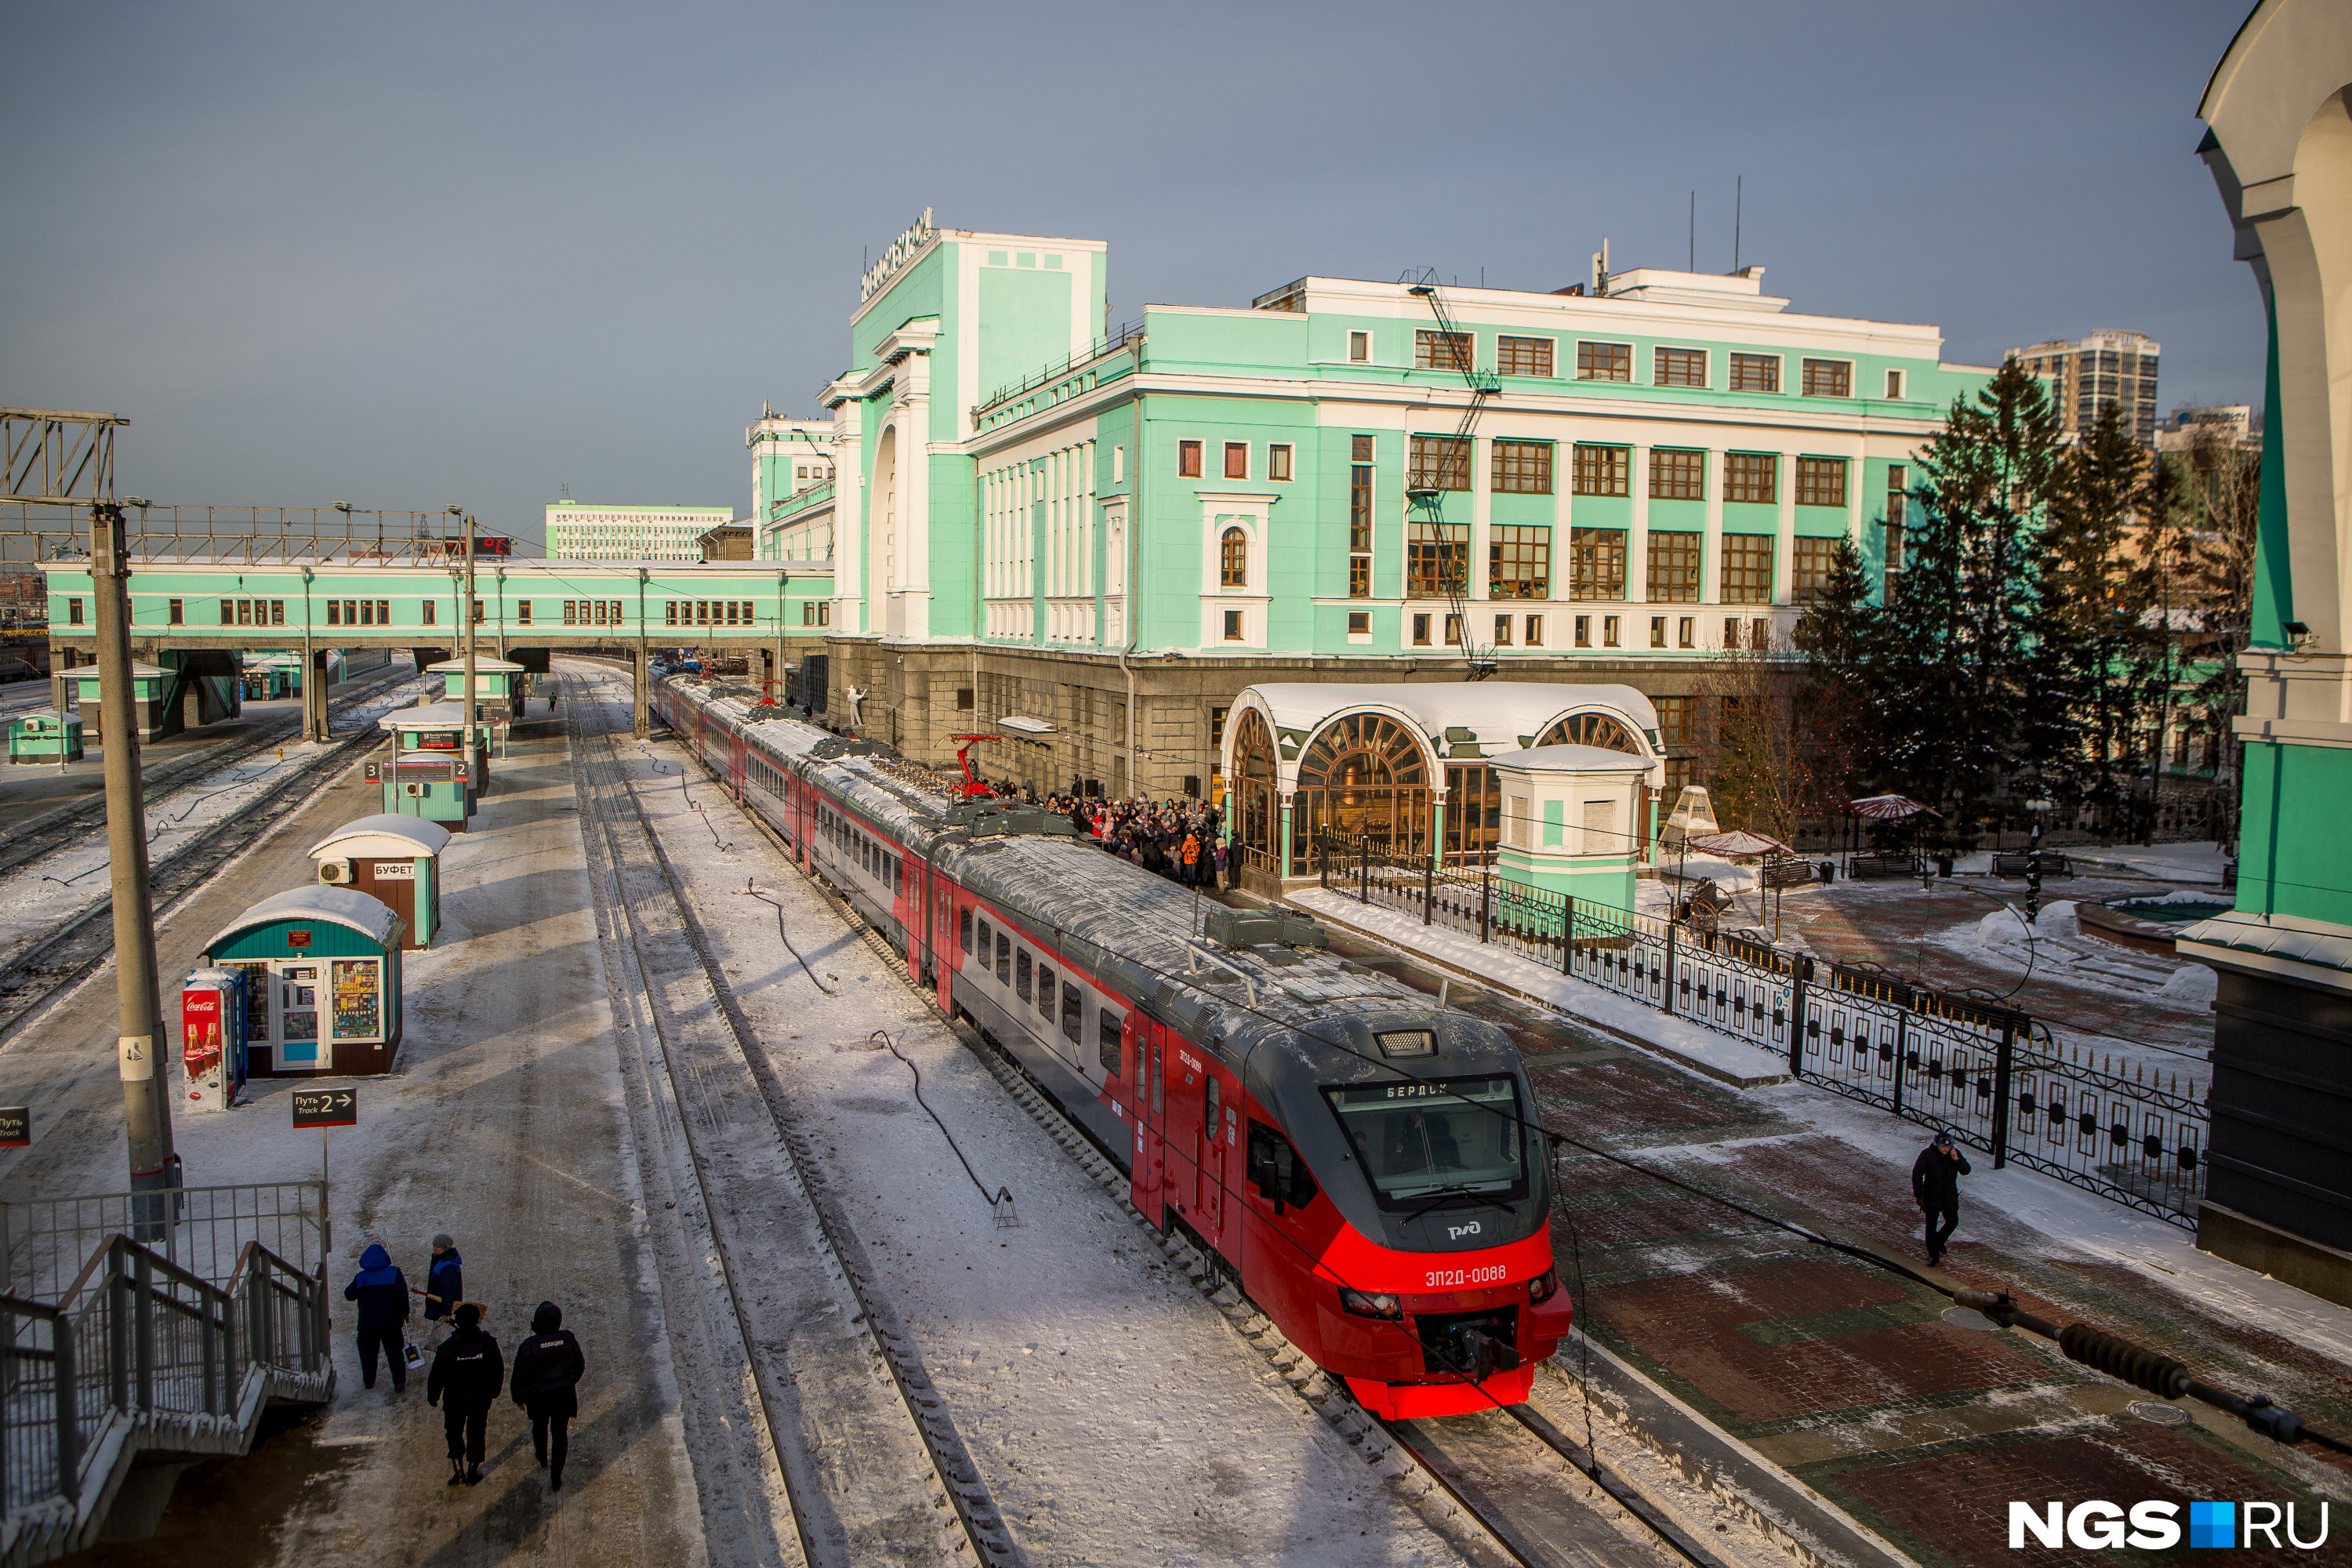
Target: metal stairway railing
140 1357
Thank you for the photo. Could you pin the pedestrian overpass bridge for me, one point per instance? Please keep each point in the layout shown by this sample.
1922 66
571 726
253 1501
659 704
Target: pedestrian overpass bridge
189 612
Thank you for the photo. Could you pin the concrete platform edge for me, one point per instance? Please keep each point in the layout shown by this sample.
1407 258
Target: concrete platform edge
2308 1266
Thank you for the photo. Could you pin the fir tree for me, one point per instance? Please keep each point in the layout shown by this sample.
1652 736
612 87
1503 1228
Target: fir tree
2093 639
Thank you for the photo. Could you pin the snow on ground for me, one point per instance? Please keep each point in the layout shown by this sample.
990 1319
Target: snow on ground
2077 1223
39 897
1116 1417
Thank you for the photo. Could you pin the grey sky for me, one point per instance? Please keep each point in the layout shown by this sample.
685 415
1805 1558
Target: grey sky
405 255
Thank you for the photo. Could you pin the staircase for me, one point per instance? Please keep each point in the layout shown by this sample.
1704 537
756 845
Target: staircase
138 1366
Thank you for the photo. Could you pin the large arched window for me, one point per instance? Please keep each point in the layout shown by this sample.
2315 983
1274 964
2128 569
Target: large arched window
1232 559
1362 779
1592 729
1253 766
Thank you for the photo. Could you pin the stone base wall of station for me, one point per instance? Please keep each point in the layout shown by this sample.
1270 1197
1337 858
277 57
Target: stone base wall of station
916 697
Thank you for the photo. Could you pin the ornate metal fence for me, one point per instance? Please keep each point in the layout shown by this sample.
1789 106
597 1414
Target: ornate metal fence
1992 1075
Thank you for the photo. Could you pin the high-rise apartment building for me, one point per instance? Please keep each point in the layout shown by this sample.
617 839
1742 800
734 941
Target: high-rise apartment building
2105 367
579 531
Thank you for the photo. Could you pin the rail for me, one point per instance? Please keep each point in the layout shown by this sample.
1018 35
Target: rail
139 1353
1993 1076
1110 342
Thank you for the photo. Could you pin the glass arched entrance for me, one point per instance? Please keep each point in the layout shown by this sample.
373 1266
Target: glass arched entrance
1592 729
1253 818
1363 778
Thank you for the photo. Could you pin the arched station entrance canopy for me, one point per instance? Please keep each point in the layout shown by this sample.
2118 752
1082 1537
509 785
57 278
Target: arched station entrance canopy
1403 767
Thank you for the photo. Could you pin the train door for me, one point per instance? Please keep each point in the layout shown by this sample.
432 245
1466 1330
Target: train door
915 915
1209 1178
1146 1041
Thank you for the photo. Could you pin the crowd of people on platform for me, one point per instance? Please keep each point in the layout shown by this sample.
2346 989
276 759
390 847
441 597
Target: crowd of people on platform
1182 840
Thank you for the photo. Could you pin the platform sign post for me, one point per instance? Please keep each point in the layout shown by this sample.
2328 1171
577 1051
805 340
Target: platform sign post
325 1108
15 1126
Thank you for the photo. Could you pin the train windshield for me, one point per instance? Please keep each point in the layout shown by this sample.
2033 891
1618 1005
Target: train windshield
1424 1139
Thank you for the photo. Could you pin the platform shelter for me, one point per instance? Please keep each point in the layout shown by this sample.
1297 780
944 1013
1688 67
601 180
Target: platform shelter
324 964
499 685
46 735
395 858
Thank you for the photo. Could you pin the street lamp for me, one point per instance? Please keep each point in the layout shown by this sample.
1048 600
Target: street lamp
2040 806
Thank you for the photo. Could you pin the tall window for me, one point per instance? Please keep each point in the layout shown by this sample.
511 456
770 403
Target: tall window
1755 372
1829 378
1436 559
1440 463
1753 476
1237 460
1604 362
1360 518
1523 356
1679 367
1441 351
1232 559
1677 719
1596 568
1673 566
1898 477
1809 570
1188 459
1747 569
1523 467
1518 564
1277 462
1600 471
1820 481
1677 476
1359 347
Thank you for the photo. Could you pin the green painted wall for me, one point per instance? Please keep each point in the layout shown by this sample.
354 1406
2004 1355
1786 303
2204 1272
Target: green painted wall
2294 856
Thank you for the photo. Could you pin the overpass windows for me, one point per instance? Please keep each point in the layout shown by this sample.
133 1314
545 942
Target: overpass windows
593 613
712 612
73 611
228 612
176 612
522 612
249 612
430 616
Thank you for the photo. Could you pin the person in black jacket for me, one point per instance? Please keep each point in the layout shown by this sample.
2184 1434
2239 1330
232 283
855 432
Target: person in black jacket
1936 1187
468 1370
382 1291
547 1369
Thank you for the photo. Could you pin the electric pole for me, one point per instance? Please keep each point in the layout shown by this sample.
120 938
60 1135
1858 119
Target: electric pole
466 736
140 1043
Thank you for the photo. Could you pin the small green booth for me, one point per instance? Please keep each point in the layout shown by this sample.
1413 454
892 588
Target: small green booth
499 687
426 775
152 714
394 860
271 677
1573 821
324 963
46 735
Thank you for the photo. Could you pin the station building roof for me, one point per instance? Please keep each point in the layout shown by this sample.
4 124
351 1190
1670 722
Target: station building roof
320 903
1572 760
387 836
1453 722
426 716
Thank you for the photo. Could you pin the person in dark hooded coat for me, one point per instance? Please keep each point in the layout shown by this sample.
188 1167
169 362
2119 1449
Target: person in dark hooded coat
467 1368
445 1279
382 1291
547 1370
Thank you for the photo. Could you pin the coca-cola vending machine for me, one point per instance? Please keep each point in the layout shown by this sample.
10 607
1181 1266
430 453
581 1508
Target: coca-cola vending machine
213 1023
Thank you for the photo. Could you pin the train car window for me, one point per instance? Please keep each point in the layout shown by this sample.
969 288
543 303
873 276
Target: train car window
1003 958
963 925
1277 1173
1070 1003
1158 1082
1045 994
983 946
1021 975
1209 1118
1448 1135
1106 1050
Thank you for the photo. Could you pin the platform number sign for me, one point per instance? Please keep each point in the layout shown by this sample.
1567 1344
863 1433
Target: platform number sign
15 1126
326 1108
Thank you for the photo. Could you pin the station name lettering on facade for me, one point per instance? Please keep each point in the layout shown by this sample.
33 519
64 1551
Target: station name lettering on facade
902 249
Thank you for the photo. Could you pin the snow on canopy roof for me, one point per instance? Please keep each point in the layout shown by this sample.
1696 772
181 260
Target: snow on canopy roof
52 713
1572 760
481 666
387 835
1498 712
137 670
328 905
426 716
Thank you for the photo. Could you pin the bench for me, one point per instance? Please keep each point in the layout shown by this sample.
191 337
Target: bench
1865 867
1789 871
1703 905
2052 864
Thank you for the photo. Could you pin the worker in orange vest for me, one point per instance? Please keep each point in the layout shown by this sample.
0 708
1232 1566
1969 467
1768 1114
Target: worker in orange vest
1191 860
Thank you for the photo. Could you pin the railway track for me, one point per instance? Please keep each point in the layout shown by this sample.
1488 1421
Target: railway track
1545 1500
868 1453
39 973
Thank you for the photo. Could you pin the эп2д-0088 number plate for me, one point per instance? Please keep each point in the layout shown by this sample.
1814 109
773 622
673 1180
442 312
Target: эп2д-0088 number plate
1440 1279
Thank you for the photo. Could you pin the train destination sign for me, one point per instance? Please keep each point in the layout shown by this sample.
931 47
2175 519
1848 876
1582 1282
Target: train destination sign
326 1108
15 1126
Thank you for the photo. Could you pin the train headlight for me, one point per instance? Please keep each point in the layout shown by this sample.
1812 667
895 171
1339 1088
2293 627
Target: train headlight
1378 1304
1544 1286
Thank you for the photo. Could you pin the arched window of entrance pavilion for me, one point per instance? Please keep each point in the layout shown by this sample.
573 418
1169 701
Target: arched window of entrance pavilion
1592 729
1253 763
1362 779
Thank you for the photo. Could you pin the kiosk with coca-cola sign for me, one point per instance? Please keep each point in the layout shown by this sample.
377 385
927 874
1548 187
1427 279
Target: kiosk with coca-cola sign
213 1009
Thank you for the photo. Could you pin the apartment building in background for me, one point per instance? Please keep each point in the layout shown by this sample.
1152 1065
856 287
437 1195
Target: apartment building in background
1089 539
583 531
2105 367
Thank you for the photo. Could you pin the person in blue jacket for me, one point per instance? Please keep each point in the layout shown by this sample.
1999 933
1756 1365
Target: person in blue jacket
382 1291
445 1279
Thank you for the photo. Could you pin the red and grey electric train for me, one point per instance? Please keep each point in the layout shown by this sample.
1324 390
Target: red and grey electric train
1362 1164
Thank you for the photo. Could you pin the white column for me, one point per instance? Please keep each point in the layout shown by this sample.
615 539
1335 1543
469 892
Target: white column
1710 544
1637 537
1784 541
